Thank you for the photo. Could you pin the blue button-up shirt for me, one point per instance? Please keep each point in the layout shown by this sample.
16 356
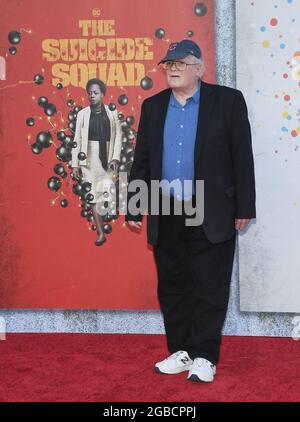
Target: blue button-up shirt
178 145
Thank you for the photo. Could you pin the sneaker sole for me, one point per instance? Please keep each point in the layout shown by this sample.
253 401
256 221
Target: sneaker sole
158 371
195 378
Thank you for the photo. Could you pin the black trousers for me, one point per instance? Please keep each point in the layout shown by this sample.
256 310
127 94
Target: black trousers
193 286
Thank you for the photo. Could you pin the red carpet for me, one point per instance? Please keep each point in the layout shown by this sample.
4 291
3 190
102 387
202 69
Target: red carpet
110 368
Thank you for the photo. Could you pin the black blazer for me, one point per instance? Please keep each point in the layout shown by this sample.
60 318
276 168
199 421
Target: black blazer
222 158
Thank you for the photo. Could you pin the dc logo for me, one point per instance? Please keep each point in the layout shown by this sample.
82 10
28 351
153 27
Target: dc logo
173 46
296 329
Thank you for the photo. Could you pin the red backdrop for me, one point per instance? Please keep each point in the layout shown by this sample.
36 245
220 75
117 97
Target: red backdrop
48 256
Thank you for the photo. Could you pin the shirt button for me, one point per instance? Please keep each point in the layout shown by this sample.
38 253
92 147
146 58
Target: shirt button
181 126
178 161
180 143
183 109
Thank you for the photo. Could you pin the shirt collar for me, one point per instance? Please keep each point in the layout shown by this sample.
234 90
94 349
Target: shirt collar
195 98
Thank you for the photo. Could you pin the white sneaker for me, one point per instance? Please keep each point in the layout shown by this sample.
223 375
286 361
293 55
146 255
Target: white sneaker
202 370
174 364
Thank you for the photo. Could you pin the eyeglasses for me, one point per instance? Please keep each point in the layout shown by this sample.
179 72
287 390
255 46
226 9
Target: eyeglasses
178 65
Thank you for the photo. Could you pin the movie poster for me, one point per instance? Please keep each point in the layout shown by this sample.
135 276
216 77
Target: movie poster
49 50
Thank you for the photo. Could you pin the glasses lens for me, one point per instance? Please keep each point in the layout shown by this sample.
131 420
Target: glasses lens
174 64
180 65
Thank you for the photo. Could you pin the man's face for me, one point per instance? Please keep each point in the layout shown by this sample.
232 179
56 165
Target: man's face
183 79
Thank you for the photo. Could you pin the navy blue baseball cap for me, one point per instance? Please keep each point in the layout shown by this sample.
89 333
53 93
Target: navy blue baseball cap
181 49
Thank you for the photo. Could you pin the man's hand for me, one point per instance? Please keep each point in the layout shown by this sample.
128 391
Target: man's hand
135 225
241 223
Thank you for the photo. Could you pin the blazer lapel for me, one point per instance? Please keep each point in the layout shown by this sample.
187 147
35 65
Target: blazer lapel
205 110
160 124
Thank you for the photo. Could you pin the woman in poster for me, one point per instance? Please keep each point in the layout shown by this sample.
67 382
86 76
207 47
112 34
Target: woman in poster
98 137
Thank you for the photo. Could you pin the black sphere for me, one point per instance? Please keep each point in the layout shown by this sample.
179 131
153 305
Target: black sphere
59 169
120 116
123 99
54 183
70 103
130 120
44 139
200 9
160 33
14 37
59 86
77 109
13 51
64 203
64 175
42 101
81 156
122 167
30 121
77 189
63 153
86 187
87 206
190 33
67 141
36 148
73 144
107 218
72 126
72 116
112 106
83 213
94 227
61 135
89 197
107 228
38 79
146 83
90 217
50 109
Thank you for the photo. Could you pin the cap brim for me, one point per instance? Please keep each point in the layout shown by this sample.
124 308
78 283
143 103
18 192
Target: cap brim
173 55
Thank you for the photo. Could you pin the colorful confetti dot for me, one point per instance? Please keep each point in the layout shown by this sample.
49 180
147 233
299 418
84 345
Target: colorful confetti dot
287 98
282 46
262 28
266 44
296 73
273 21
294 133
285 75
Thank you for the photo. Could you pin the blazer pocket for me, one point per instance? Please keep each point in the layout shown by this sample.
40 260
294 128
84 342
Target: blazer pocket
230 192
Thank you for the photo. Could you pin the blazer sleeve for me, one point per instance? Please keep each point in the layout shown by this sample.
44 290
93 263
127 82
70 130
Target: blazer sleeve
242 156
140 169
77 139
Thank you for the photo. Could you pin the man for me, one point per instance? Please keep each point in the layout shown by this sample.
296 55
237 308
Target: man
200 131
